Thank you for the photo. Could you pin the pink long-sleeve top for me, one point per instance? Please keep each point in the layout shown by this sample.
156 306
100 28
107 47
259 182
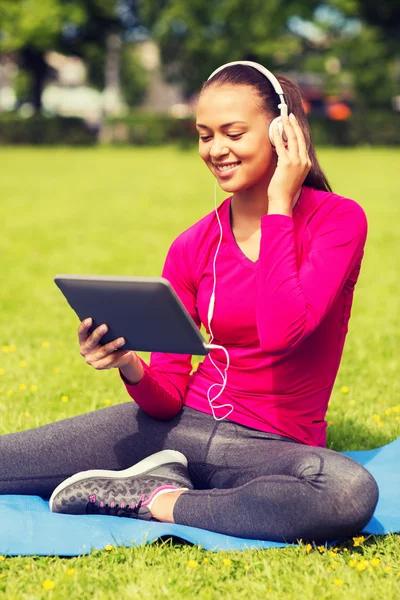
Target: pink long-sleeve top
283 318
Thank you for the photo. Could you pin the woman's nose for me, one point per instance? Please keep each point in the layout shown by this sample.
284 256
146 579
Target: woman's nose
218 148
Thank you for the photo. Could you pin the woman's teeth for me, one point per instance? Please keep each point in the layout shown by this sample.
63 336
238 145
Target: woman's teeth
228 167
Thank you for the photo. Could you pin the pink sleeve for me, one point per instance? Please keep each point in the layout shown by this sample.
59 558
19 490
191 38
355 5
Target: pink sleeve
292 301
161 391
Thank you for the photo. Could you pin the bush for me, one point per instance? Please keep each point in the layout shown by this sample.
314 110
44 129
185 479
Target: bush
42 130
150 129
375 127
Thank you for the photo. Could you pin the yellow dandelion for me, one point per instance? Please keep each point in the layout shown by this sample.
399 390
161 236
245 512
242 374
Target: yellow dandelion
388 411
358 540
362 565
376 417
70 571
5 349
48 584
27 415
22 386
321 549
246 567
329 569
34 388
331 553
2 575
398 574
205 560
344 389
12 348
1 371
10 392
344 550
107 401
375 562
270 591
45 345
64 398
335 564
193 564
27 567
108 547
338 581
308 548
380 424
388 569
394 409
352 563
227 562
2 557
22 364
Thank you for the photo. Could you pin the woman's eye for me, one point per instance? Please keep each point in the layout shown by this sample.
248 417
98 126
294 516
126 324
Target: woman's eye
233 136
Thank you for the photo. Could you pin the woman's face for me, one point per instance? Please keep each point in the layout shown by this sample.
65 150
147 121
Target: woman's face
234 132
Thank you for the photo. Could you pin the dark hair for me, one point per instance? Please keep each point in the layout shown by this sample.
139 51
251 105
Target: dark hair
246 75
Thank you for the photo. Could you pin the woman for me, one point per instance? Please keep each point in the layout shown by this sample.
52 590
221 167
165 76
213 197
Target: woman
254 463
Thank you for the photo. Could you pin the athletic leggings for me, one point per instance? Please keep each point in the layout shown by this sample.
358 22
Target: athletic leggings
247 483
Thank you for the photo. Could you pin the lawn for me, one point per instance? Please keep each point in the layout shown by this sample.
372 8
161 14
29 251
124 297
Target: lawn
116 211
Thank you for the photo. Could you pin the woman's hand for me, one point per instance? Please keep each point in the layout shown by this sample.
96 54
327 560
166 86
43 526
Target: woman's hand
292 168
108 356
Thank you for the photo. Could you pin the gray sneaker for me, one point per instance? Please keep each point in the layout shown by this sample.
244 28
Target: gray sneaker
126 493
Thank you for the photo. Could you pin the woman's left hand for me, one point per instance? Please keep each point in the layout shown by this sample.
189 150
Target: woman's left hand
292 168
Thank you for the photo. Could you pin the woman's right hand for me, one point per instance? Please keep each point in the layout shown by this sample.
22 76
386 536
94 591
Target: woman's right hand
108 356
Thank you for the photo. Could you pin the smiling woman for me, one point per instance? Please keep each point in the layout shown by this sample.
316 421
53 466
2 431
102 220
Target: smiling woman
289 254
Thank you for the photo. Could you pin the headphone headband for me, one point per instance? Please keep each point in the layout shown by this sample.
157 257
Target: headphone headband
270 76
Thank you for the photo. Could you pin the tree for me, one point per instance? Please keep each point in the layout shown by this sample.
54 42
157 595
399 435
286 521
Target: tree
195 37
80 27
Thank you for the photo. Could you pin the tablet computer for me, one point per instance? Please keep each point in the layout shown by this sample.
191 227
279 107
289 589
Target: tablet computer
146 311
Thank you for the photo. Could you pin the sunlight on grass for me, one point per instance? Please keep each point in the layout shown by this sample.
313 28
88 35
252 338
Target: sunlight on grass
116 211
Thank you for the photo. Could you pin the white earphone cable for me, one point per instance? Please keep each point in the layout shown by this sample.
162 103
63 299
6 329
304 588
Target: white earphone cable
210 315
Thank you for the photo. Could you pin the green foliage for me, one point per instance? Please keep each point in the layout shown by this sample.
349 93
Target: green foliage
372 127
142 128
36 23
41 130
197 37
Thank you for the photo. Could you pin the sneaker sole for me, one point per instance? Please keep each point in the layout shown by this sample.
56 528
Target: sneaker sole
158 459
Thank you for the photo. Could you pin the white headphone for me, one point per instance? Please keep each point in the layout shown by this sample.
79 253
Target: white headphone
275 122
277 87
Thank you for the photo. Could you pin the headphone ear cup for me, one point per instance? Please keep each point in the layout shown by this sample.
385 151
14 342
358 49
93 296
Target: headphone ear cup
277 122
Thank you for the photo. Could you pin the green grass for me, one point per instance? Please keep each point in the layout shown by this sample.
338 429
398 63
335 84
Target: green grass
116 211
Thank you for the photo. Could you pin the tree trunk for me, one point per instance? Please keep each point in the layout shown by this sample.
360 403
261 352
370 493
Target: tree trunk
33 61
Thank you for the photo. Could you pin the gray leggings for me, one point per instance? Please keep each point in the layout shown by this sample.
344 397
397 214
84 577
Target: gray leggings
247 483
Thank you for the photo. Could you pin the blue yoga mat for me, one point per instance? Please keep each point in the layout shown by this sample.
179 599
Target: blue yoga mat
27 527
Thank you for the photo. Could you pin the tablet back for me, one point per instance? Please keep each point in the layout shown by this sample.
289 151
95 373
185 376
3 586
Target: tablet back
146 311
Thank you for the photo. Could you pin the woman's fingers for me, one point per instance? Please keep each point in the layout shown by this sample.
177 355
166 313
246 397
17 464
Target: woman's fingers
301 142
292 143
92 341
105 351
116 359
83 330
278 141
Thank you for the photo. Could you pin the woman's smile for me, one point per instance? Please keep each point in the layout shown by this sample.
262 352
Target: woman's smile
226 169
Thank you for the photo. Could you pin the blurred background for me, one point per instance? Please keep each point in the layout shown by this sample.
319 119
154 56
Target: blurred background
85 72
